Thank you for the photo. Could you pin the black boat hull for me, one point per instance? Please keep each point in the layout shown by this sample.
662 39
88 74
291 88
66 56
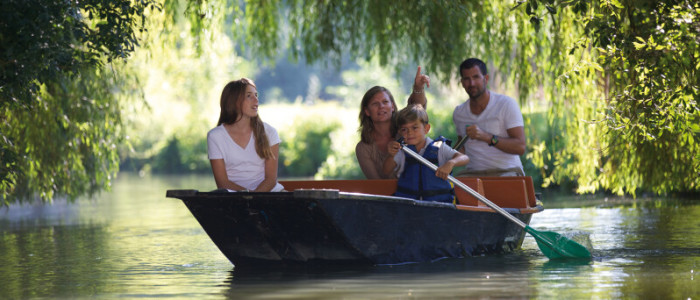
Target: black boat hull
320 227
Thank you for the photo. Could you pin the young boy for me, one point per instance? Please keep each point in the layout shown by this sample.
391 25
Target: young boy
418 181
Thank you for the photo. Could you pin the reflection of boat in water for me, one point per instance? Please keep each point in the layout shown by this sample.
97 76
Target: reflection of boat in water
358 222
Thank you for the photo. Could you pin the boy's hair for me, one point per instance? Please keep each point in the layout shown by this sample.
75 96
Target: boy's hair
412 113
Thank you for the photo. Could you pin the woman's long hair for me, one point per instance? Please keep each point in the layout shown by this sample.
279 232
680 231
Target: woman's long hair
231 101
366 123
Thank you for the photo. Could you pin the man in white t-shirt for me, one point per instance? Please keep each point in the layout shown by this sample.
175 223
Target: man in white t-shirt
492 123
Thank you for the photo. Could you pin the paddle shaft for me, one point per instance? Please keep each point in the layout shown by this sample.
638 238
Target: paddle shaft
465 187
460 143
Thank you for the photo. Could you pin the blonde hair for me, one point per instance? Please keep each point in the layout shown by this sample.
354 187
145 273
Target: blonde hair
231 100
412 113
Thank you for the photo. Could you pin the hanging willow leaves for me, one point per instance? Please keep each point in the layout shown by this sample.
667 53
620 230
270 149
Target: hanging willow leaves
60 119
645 57
620 78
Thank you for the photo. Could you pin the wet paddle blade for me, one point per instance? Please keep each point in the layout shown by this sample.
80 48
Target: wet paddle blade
556 246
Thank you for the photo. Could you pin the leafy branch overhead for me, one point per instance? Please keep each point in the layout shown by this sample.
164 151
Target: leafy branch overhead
647 60
43 40
620 78
60 119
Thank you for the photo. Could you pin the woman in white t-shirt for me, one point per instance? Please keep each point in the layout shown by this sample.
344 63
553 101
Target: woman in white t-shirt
243 150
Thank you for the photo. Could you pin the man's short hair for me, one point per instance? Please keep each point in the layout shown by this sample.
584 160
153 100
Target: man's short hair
470 63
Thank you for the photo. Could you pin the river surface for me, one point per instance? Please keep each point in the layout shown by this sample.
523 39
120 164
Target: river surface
133 242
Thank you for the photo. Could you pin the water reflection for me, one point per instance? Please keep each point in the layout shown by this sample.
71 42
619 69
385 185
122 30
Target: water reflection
52 260
446 278
135 243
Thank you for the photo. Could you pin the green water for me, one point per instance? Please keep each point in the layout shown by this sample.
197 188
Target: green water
135 243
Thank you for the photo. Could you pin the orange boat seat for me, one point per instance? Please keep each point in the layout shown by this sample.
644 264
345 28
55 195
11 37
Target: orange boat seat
464 198
512 192
385 187
509 191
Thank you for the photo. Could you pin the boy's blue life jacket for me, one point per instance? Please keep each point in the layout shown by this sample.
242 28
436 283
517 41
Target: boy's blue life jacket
419 181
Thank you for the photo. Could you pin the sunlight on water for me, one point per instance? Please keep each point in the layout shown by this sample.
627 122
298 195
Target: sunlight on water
135 243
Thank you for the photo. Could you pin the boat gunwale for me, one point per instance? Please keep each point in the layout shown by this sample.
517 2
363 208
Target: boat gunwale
329 194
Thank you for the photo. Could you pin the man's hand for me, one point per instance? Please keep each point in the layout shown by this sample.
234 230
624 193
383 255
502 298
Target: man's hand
474 132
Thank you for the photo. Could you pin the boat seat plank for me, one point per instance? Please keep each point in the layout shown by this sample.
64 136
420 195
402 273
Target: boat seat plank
529 187
464 198
384 187
513 192
506 192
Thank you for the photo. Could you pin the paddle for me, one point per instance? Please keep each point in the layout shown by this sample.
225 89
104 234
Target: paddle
552 244
461 142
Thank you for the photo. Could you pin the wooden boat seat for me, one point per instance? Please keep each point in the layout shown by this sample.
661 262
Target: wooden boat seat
464 198
514 192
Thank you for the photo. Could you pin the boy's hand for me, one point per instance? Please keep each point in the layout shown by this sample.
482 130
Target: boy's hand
444 170
393 148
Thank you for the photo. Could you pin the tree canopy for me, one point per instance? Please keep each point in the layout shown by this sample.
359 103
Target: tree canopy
60 116
643 60
620 78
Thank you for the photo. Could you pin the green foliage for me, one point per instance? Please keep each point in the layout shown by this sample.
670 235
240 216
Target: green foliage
64 145
169 160
340 165
305 147
654 68
436 34
631 121
357 81
60 122
441 124
42 40
178 156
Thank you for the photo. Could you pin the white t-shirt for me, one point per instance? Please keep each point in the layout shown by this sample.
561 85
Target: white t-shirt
243 166
445 153
501 114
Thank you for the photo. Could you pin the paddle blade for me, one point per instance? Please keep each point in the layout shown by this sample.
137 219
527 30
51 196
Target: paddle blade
556 246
